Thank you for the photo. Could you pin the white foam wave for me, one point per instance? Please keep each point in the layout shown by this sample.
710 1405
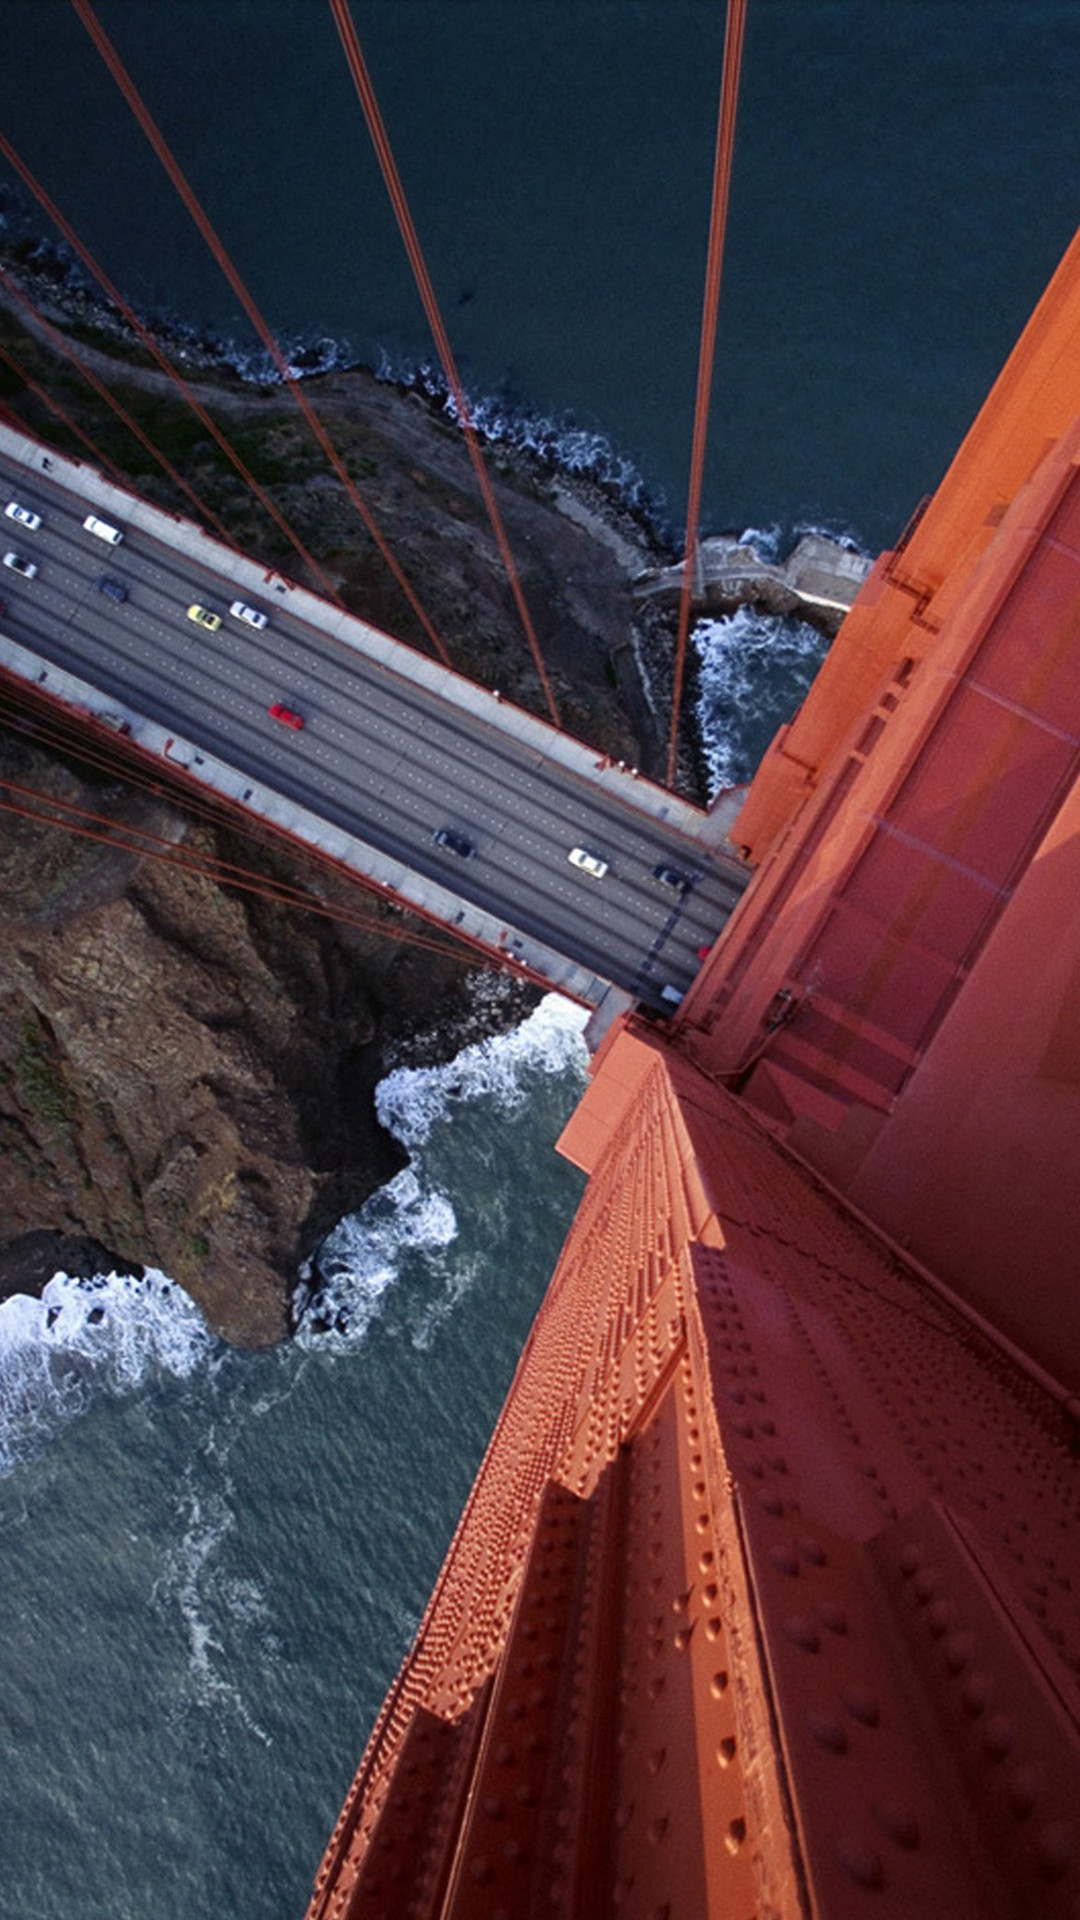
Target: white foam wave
360 1259
557 440
108 1334
754 670
194 1581
411 1099
411 1219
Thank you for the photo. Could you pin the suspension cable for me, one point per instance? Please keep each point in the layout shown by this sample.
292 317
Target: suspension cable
52 811
725 139
217 247
366 93
147 339
40 393
63 735
62 345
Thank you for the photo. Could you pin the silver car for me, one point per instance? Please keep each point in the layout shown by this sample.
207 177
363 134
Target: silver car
587 862
24 515
250 615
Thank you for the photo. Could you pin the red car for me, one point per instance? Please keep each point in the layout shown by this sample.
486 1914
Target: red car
286 715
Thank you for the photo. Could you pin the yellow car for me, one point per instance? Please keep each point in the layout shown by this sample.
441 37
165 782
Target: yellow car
203 617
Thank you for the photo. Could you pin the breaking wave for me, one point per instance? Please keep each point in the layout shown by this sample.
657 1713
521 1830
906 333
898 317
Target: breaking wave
557 440
754 671
411 1099
409 1228
113 1334
109 1334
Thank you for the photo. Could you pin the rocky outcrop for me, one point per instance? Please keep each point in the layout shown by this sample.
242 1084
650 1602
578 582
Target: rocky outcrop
186 1070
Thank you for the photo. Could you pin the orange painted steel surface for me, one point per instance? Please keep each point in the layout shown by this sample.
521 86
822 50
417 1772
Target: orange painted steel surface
766 1600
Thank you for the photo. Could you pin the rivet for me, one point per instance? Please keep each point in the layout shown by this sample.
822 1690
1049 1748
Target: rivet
735 1835
832 1616
939 1617
861 1863
910 1559
812 1551
802 1632
862 1706
828 1731
726 1751
785 1560
719 1683
959 1648
998 1736
1054 1849
977 1693
897 1822
494 1806
657 1829
925 1584
657 1758
1023 1789
480 1870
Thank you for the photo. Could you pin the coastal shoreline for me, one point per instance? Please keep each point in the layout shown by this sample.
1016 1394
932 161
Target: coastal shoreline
272 1135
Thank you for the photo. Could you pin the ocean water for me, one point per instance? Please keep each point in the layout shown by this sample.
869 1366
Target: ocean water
211 1563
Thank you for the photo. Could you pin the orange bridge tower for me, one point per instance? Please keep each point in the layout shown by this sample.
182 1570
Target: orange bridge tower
766 1600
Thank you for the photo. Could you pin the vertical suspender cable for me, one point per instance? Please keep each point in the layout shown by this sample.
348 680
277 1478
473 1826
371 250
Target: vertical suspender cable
725 139
143 334
63 346
217 247
396 191
62 415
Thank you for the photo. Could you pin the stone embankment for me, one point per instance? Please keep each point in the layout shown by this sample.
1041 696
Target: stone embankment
818 580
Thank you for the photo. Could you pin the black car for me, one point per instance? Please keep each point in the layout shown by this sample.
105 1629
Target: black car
115 589
452 841
672 877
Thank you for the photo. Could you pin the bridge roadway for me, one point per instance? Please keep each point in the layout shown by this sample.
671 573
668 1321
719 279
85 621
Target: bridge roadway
385 758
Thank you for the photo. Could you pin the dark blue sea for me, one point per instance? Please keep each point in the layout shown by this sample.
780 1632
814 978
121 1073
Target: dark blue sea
211 1563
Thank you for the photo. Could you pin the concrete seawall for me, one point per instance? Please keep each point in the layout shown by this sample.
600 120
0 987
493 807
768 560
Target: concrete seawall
818 580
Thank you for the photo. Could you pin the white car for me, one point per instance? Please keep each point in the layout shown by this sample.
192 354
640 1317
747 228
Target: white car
15 561
251 615
23 515
587 862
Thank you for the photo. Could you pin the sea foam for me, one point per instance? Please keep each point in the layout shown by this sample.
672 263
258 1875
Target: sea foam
754 671
108 1334
409 1223
114 1333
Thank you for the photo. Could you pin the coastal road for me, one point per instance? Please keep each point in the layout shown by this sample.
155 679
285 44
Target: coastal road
379 755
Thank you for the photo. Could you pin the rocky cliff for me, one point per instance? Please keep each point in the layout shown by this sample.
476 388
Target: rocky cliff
186 1069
